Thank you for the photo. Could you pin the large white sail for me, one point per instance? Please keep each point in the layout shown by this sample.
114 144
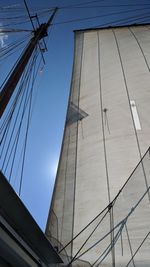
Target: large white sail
106 135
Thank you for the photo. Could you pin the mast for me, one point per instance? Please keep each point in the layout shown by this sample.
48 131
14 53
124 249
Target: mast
14 78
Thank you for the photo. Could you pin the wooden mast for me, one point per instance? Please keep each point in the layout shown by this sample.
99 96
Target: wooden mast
14 78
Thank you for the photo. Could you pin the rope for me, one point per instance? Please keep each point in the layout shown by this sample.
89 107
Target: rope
75 257
83 229
125 20
100 16
101 239
112 203
130 246
22 87
121 224
28 121
108 5
16 140
137 249
109 247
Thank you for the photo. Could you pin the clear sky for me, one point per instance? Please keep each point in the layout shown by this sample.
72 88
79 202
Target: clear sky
46 130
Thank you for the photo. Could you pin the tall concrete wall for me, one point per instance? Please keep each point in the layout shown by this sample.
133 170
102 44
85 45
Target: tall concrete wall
111 84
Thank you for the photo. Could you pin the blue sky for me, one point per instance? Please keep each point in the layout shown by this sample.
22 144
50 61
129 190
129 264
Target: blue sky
46 130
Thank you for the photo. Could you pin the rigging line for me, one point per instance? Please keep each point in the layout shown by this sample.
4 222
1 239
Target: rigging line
16 23
10 113
15 150
8 122
18 167
3 140
108 249
12 10
128 97
104 142
138 249
13 67
100 16
28 123
28 12
130 246
38 68
43 13
16 42
13 30
11 6
126 20
23 113
75 256
37 71
11 18
83 229
19 128
112 203
9 53
22 87
121 223
12 50
12 106
96 1
102 6
15 11
11 110
21 154
14 147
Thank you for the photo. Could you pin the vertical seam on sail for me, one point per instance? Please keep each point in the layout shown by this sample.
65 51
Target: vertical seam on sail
102 121
135 37
128 97
79 87
64 196
104 147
